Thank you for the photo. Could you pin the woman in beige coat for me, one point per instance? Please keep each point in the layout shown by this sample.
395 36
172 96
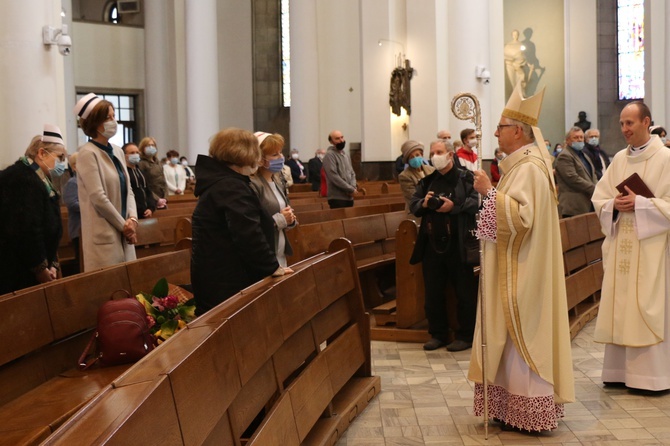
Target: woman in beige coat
106 200
412 156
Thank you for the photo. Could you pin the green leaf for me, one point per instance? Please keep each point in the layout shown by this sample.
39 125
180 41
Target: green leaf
187 312
168 329
161 288
145 300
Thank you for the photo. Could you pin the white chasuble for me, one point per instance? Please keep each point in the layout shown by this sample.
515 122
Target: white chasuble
633 309
523 279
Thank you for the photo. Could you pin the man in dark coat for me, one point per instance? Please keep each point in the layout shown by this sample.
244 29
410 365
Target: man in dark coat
314 169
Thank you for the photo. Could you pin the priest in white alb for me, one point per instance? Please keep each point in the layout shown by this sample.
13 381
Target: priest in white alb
633 315
528 355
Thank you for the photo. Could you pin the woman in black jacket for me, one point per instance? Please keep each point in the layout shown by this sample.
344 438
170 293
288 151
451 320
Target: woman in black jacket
233 237
144 198
31 228
447 202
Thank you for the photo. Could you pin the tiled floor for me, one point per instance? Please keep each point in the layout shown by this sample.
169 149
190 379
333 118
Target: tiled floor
426 399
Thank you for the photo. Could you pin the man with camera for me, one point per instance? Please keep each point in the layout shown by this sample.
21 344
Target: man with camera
447 202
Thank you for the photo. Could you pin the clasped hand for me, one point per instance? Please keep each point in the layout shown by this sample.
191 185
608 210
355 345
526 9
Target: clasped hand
130 231
625 203
288 214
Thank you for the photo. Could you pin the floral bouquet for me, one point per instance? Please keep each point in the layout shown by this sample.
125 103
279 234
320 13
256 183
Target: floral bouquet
168 309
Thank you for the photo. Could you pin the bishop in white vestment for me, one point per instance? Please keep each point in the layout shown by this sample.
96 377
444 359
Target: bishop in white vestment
528 354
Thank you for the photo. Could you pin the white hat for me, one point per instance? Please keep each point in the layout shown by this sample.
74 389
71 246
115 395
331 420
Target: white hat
527 110
52 134
85 105
261 137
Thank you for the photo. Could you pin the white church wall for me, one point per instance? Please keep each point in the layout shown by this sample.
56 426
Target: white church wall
122 66
339 69
657 61
541 24
31 74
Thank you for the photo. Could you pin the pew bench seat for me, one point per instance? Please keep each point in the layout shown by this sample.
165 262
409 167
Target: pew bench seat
50 326
36 414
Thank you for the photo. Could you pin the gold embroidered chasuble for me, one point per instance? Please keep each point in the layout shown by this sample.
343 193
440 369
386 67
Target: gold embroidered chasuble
523 278
633 298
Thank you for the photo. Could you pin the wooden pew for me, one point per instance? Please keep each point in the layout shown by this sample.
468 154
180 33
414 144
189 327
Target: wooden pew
302 187
301 379
49 327
374 246
582 238
308 217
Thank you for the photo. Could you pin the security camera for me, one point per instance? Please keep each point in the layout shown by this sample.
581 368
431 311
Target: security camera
60 37
64 44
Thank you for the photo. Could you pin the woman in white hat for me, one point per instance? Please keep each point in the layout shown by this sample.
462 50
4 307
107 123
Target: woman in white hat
31 228
106 200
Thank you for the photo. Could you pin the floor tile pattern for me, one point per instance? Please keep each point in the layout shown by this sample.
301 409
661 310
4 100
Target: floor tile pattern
427 400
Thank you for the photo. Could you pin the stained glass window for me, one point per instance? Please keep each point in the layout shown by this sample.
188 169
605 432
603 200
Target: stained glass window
285 54
630 32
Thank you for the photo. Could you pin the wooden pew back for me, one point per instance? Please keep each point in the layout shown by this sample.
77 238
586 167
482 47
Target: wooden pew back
49 328
284 362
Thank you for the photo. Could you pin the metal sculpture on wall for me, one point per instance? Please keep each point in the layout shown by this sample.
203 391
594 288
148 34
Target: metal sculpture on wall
400 94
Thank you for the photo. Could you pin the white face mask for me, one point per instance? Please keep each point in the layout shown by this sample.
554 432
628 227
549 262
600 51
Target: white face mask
320 156
295 156
110 129
440 162
184 163
472 142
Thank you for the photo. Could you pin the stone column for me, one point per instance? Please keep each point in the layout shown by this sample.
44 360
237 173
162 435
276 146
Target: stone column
31 73
202 76
305 133
474 38
160 85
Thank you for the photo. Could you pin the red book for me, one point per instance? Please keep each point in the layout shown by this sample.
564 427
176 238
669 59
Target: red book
635 183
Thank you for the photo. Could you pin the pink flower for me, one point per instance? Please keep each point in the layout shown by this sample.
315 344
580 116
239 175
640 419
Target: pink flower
150 320
157 302
171 302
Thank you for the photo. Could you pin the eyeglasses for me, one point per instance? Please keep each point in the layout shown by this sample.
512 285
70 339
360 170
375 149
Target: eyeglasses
500 126
60 157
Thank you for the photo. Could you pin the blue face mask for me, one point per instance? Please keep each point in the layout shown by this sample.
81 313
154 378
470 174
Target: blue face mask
416 162
578 145
594 141
174 160
58 170
276 165
150 150
134 158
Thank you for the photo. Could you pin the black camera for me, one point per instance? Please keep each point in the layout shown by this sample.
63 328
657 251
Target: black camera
435 202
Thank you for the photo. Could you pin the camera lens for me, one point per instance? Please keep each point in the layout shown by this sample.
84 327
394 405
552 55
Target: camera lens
434 203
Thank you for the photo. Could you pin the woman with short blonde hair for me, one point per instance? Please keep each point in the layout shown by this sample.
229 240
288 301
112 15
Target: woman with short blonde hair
233 237
152 170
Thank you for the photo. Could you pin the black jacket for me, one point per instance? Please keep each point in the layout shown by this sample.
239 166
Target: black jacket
314 172
444 232
232 236
144 198
295 170
30 228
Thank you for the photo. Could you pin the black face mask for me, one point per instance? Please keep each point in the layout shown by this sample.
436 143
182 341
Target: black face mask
340 145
